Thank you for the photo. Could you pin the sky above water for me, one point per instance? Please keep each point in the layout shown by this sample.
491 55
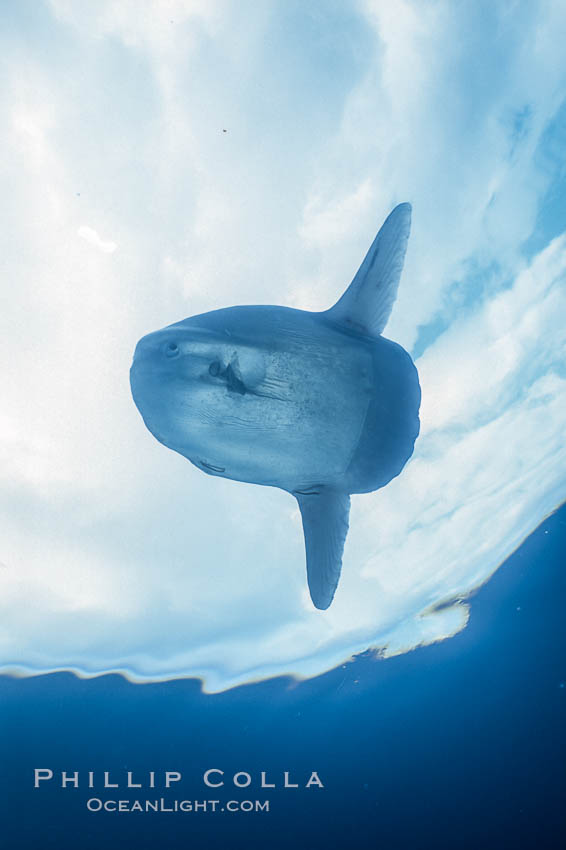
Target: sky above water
168 158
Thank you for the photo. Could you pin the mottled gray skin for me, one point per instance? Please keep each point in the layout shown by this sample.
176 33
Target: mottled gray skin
318 404
282 397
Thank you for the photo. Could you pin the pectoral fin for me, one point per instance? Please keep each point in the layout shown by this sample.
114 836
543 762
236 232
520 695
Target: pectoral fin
325 515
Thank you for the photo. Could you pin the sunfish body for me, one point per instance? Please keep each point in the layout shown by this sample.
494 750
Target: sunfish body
318 404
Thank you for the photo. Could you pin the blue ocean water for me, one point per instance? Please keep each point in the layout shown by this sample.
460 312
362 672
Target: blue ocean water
458 745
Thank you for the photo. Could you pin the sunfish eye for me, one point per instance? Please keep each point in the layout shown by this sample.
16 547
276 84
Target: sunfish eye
171 349
214 369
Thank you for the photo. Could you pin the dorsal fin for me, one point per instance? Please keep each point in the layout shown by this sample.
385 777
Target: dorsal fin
368 301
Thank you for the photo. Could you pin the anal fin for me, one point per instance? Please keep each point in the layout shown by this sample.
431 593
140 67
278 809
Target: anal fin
325 516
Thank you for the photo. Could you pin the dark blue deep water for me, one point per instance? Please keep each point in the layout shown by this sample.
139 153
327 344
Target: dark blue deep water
457 745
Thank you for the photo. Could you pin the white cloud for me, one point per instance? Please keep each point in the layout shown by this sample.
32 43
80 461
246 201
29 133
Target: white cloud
323 225
92 237
153 26
120 555
434 121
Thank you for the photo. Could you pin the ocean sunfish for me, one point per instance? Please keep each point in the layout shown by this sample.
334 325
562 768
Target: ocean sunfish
318 404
